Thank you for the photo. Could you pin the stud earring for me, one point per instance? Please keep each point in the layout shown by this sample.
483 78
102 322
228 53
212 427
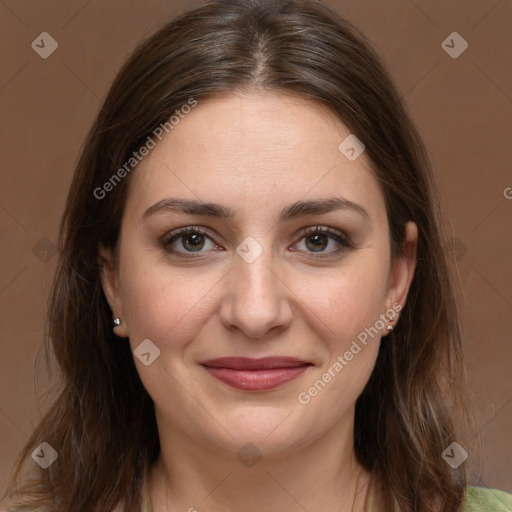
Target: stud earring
117 322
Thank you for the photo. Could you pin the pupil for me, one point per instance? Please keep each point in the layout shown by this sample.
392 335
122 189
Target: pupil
319 242
197 243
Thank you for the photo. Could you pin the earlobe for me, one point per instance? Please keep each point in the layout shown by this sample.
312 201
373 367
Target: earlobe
109 284
107 275
402 271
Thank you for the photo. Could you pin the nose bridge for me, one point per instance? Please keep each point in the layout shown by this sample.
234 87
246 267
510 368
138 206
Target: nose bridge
255 278
256 299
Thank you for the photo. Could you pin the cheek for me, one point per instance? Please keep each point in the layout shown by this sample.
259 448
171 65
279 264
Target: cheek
346 314
349 300
163 306
350 327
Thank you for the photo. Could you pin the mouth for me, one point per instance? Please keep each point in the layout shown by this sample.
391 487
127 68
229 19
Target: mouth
255 374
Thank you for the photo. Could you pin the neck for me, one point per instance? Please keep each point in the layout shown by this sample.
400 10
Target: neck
324 475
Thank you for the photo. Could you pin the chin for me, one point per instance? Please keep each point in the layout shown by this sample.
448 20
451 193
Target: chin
272 430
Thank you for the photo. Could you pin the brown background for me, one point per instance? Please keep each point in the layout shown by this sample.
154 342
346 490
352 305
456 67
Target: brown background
463 108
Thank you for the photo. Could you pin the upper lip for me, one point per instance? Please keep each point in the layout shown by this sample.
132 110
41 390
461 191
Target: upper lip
247 363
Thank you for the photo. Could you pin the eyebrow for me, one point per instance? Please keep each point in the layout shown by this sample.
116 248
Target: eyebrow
293 211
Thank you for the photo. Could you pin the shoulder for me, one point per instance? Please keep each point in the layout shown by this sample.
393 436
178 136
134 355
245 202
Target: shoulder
480 499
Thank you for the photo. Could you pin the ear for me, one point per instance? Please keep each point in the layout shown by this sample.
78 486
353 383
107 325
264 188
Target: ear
110 285
402 272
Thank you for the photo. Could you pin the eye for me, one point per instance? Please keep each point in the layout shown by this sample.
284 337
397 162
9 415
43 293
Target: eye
187 240
318 239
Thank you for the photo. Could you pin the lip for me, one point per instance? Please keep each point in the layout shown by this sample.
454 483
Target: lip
255 374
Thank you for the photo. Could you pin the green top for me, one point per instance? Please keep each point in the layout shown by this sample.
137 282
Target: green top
477 499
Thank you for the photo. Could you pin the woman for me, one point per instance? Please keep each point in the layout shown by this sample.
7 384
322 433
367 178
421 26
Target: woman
252 309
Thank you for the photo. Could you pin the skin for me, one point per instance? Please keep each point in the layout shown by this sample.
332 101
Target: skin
255 153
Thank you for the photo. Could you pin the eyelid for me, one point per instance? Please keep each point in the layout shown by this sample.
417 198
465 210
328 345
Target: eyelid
338 236
188 230
322 229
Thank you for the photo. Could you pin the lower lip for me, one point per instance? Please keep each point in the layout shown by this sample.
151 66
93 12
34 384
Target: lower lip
256 380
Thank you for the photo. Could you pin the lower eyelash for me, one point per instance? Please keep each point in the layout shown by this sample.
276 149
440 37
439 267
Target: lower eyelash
180 233
344 242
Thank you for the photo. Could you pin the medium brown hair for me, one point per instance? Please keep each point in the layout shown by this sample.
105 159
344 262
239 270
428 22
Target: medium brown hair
102 423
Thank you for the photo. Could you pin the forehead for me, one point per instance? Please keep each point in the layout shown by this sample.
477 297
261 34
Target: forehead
270 147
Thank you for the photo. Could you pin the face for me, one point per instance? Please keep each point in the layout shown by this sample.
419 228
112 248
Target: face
277 248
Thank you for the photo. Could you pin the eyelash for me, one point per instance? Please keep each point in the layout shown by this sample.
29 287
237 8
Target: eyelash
344 241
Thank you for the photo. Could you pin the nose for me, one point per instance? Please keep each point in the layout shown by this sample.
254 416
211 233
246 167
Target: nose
256 300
